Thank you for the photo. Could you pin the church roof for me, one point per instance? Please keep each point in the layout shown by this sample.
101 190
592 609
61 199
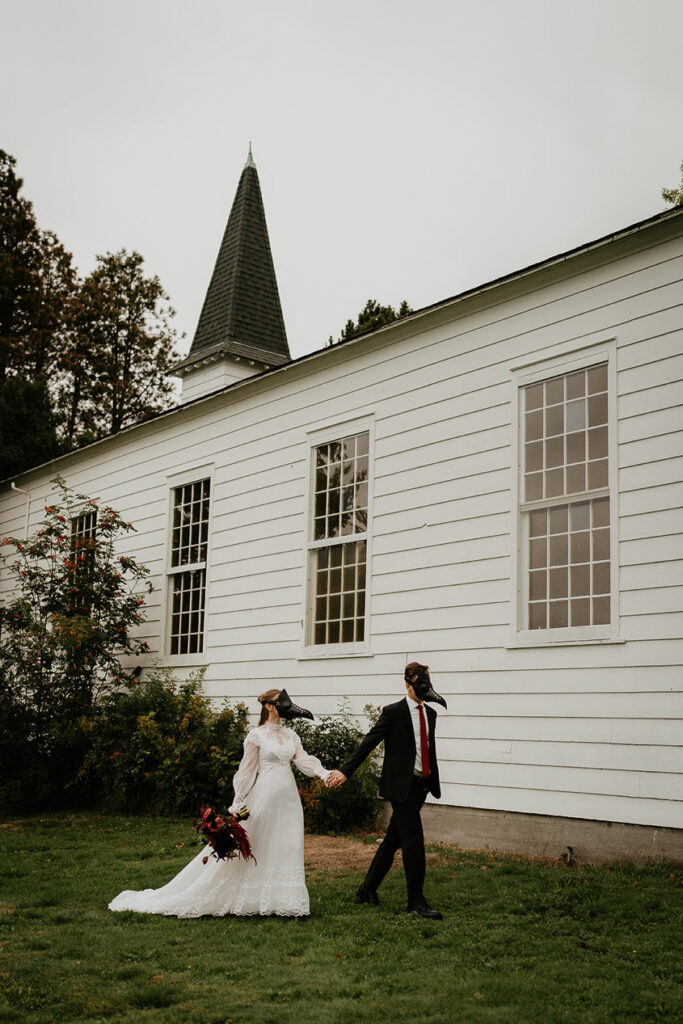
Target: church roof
241 315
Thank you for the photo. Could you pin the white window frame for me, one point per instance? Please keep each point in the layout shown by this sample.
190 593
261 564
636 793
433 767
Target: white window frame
318 436
542 369
173 480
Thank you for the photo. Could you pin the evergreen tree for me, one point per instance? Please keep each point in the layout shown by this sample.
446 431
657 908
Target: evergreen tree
27 430
372 316
674 195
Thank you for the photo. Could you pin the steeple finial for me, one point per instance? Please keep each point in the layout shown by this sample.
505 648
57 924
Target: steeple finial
250 159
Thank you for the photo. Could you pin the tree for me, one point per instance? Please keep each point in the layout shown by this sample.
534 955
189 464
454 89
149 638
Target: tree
674 195
64 632
119 350
27 428
36 281
370 318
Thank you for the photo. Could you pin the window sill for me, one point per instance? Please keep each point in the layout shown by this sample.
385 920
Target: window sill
588 641
312 654
183 660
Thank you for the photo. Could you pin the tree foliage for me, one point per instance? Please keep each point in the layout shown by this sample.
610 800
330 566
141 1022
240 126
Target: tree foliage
104 344
27 427
674 196
63 633
371 317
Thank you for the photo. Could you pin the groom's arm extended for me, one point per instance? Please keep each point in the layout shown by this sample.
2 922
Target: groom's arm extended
373 739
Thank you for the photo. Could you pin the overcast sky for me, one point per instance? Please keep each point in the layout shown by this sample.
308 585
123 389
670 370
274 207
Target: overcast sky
405 150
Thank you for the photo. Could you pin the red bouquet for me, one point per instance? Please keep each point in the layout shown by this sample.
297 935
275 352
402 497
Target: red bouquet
224 834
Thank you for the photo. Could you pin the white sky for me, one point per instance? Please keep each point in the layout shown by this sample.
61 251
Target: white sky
405 150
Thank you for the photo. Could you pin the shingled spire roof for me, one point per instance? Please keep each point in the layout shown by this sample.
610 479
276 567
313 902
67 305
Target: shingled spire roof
241 315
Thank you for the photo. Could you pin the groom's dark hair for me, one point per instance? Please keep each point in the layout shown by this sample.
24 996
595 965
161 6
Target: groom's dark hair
413 668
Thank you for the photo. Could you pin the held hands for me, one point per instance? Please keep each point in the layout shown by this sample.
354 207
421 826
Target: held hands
335 778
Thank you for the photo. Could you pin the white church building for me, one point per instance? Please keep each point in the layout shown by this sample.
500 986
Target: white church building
492 485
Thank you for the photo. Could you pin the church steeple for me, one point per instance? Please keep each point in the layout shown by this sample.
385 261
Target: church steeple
240 329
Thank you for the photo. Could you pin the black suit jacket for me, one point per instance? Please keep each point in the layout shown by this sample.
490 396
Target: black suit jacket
395 727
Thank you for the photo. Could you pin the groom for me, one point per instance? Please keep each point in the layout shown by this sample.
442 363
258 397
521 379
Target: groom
410 771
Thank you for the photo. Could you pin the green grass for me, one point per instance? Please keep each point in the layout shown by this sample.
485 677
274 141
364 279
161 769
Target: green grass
521 941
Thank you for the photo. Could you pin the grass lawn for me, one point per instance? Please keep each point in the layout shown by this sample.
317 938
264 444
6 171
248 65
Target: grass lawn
521 941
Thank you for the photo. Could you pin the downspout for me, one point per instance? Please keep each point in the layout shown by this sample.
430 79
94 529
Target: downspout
28 505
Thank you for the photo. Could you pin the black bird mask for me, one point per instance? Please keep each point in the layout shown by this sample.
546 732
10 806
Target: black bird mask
287 709
423 688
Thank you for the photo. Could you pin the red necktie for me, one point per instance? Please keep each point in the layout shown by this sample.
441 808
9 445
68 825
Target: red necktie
424 743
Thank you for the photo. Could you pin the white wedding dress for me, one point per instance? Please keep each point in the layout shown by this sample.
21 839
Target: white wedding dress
276 884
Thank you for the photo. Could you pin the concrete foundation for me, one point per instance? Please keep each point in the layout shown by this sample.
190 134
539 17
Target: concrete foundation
538 835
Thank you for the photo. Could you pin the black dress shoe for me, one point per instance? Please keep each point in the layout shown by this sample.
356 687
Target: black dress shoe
365 895
426 911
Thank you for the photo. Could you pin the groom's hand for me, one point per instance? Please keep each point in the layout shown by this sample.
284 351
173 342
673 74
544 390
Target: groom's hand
335 778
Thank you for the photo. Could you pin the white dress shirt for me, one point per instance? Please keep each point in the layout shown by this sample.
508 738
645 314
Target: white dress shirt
415 718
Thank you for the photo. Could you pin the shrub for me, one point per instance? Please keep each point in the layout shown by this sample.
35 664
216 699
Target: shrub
355 805
161 748
71 618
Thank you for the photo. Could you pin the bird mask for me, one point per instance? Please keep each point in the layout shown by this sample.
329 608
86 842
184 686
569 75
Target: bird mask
423 688
286 709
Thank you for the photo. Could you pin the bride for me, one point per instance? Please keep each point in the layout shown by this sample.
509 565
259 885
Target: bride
276 884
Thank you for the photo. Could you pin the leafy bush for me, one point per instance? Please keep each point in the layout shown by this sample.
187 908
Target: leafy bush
76 600
355 805
162 748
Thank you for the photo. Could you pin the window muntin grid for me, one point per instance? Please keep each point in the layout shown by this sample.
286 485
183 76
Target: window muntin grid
190 523
565 435
341 487
188 557
339 530
187 612
339 611
83 533
565 453
569 565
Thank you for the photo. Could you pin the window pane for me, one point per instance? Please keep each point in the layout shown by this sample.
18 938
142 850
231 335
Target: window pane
554 391
600 545
576 415
537 585
537 553
580 612
580 516
533 456
558 549
576 447
576 384
597 443
580 580
537 522
554 452
601 576
559 614
601 611
554 483
558 582
534 425
534 396
601 512
533 486
554 420
597 474
597 379
558 519
537 616
597 410
576 478
580 547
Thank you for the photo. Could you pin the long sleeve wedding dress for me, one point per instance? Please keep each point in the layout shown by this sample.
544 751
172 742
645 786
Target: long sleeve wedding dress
276 883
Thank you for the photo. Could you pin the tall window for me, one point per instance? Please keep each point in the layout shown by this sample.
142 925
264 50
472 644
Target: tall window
338 550
566 504
83 532
188 566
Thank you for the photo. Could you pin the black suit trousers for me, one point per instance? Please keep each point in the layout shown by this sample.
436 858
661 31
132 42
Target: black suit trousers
404 832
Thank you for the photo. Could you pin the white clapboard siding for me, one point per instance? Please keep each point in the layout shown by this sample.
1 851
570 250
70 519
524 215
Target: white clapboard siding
584 730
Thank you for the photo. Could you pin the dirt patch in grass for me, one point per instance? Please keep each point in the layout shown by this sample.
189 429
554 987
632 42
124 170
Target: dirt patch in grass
330 853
